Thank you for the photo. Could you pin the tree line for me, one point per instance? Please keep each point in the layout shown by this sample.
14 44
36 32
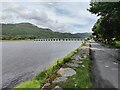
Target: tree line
107 27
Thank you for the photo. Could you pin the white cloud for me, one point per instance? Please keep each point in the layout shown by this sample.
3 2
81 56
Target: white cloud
61 17
46 0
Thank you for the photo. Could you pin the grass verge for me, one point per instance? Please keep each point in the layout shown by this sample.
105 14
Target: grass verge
116 44
82 78
15 40
40 79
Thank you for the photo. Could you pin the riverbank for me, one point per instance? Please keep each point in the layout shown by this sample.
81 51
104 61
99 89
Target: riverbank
39 80
15 40
23 60
75 74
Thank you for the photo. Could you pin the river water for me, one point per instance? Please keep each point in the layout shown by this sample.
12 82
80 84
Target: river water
23 60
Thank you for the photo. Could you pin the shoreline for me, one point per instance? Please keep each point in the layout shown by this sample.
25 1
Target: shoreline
14 40
14 80
38 80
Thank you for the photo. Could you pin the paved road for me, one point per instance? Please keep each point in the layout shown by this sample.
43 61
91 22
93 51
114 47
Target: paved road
105 66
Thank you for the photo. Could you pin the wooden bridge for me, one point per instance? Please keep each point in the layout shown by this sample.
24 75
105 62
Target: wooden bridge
59 39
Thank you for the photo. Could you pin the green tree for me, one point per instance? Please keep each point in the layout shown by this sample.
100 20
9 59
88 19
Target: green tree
108 26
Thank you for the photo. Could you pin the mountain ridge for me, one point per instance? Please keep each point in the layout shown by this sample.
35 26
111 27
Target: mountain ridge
31 31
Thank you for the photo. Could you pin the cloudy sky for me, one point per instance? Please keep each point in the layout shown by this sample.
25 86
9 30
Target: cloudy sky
69 17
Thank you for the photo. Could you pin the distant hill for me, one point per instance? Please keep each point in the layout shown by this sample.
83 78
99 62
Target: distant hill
30 31
82 34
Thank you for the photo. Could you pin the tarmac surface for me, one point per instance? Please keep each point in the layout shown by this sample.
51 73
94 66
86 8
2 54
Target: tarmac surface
105 66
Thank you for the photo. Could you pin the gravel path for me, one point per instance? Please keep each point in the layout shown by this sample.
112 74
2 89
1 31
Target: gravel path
105 66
